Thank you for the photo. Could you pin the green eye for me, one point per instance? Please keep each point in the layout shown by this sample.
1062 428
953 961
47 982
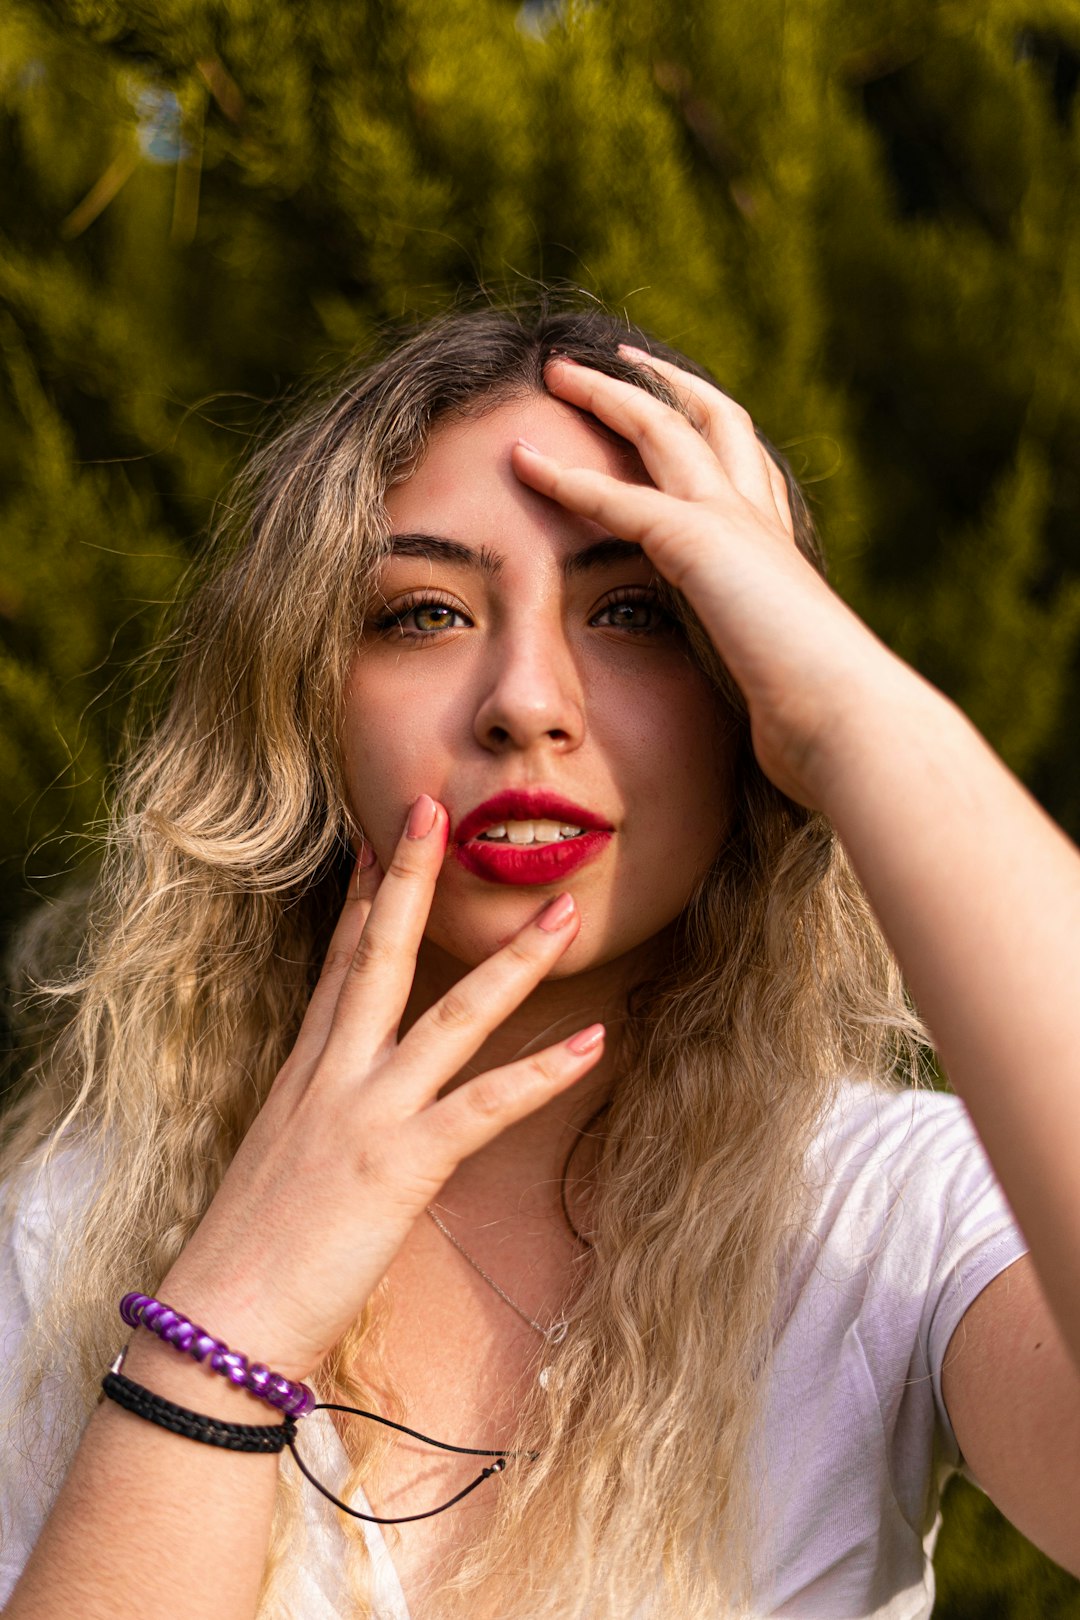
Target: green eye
432 616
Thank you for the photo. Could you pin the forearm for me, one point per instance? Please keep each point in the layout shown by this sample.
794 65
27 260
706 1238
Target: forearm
148 1517
979 895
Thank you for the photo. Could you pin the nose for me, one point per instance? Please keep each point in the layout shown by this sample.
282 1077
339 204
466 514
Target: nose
532 691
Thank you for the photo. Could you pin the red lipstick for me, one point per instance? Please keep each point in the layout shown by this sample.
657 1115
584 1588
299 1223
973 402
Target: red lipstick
528 863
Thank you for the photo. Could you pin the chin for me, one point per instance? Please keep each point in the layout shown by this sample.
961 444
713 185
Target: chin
472 946
473 943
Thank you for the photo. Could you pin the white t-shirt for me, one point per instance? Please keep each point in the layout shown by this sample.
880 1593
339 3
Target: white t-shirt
854 1443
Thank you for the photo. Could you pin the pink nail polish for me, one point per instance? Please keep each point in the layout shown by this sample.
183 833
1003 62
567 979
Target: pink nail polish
557 914
525 445
586 1040
421 817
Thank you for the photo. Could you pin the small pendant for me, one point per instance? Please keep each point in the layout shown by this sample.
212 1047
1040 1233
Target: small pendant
555 1334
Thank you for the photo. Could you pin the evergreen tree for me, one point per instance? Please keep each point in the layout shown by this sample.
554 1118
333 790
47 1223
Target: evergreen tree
863 218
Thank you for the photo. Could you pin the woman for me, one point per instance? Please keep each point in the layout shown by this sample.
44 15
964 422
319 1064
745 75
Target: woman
587 1151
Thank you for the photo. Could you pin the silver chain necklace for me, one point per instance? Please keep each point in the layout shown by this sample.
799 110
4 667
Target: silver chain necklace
555 1334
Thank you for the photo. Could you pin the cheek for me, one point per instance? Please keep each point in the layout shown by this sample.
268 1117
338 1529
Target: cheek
384 747
677 766
676 772
703 751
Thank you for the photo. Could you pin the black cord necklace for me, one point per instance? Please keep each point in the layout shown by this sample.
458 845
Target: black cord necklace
501 1460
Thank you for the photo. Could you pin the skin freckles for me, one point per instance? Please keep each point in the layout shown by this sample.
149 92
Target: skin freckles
535 679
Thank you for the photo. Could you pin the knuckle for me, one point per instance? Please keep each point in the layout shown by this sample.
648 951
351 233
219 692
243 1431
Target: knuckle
521 950
402 868
487 1097
376 1167
453 1012
635 422
699 418
740 416
336 961
384 1153
545 1067
372 950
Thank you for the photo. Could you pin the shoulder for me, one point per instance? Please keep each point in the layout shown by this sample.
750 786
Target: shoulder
906 1226
901 1222
903 1226
870 1125
906 1168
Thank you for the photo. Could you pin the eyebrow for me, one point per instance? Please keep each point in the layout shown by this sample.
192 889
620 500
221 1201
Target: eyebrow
602 553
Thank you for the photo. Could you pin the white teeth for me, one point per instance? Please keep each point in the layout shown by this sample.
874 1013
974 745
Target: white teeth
530 832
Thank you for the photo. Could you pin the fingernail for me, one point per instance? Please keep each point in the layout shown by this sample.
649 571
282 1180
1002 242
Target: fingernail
366 856
525 445
421 817
557 914
586 1040
630 348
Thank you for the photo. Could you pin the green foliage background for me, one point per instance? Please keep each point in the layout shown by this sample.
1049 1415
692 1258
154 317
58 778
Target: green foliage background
863 218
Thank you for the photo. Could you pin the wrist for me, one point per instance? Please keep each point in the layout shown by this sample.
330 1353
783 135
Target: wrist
189 1340
891 729
167 1372
237 1313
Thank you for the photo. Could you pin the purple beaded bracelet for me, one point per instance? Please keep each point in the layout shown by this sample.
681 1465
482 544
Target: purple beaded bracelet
291 1397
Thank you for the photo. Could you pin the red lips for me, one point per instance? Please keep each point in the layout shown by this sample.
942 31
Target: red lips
528 864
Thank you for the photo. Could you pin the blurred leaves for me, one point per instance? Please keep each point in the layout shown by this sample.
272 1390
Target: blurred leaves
987 1571
863 218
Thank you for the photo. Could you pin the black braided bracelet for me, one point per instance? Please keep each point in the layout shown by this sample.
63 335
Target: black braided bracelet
275 1437
210 1431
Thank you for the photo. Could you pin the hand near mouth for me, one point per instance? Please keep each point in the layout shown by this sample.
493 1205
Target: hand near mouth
716 523
356 1136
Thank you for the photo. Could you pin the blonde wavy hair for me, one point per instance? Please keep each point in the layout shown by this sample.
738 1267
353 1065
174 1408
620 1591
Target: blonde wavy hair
224 869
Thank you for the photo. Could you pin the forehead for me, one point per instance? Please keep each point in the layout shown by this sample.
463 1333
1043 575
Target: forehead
465 484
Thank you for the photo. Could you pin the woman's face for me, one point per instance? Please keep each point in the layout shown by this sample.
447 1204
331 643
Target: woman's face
520 650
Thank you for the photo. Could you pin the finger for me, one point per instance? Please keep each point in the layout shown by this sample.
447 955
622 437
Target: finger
697 409
375 986
363 884
729 428
675 455
473 1115
662 525
448 1034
